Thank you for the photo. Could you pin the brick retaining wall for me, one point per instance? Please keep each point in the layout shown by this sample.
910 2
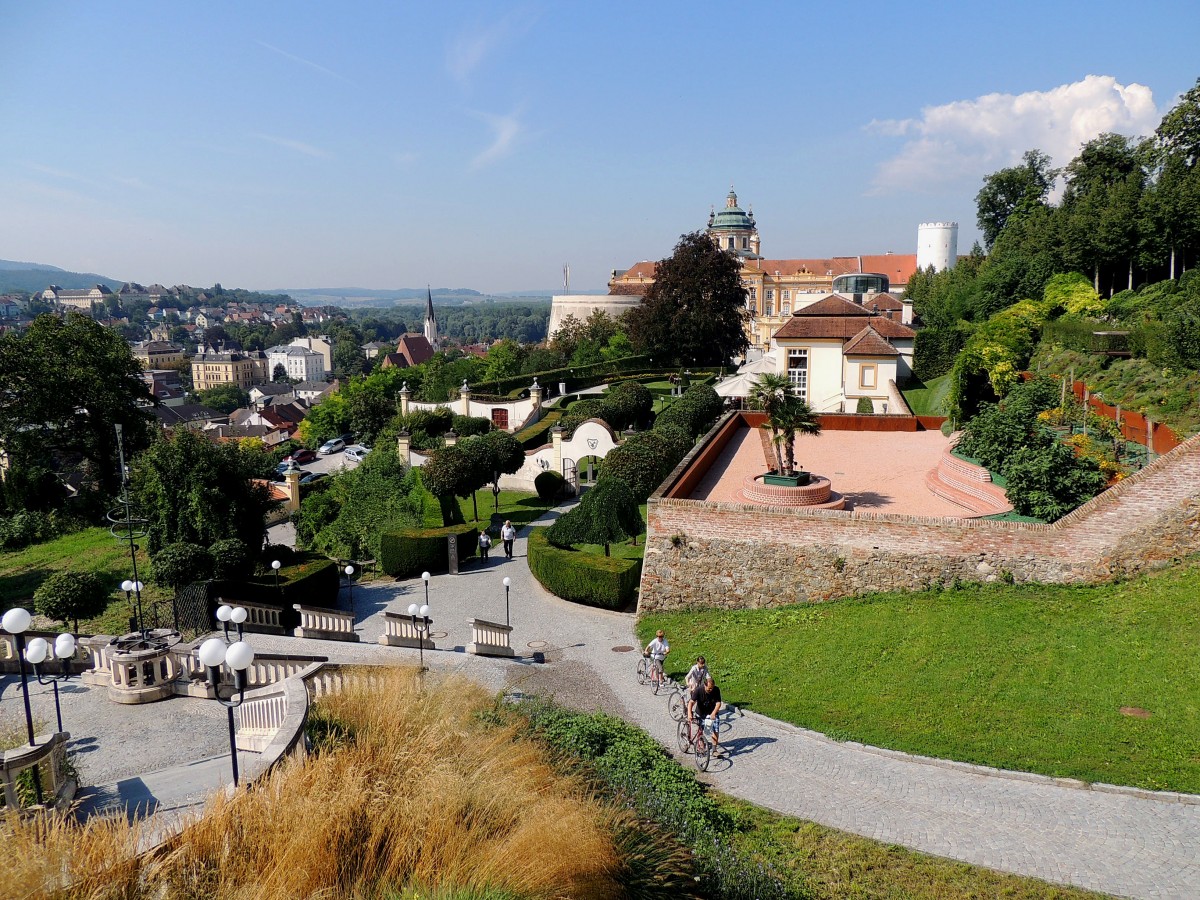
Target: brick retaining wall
733 555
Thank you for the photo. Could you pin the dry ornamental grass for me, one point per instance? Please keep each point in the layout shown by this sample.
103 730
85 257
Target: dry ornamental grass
418 793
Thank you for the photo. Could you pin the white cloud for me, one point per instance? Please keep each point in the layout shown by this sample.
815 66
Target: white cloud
468 50
970 138
505 132
298 146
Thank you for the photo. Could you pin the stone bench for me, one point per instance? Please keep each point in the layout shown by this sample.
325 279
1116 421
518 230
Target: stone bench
489 638
324 624
399 631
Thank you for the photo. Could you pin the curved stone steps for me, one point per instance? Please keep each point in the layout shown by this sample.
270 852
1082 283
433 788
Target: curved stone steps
967 485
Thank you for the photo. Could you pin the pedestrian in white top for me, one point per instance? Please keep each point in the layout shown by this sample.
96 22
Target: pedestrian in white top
508 534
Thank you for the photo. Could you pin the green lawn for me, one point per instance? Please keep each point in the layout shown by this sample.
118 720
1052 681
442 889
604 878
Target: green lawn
1026 677
928 399
518 506
825 864
91 550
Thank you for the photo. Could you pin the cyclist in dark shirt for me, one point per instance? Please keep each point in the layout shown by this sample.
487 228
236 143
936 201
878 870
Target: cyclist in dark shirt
705 703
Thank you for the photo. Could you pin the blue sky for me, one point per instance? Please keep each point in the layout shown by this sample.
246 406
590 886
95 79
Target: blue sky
484 145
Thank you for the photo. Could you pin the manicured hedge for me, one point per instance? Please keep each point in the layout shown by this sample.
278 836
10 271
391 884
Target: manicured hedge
412 551
934 350
538 433
582 577
311 580
574 377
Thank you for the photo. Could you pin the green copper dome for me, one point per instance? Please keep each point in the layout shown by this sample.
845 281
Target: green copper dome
732 216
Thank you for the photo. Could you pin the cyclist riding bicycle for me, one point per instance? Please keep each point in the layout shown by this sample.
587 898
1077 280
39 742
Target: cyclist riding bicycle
706 704
697 674
657 650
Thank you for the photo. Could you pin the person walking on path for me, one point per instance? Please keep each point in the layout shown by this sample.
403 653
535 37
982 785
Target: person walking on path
508 534
485 544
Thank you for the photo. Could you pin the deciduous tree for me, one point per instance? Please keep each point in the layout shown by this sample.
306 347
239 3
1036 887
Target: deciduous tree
695 310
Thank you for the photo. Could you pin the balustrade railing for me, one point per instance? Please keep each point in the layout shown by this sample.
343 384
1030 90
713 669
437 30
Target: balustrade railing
489 638
48 754
399 631
325 624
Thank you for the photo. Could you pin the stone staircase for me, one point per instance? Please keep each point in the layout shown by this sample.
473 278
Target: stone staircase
967 485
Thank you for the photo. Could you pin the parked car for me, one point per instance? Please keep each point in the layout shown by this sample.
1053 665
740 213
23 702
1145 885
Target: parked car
310 477
356 452
346 438
303 455
337 445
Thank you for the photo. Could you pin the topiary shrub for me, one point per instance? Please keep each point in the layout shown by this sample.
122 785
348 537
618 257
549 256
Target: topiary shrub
271 552
466 426
231 558
865 407
642 462
582 577
71 596
412 551
176 565
607 513
549 485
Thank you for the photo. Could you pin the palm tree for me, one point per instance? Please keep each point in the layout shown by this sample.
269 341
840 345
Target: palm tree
770 393
794 417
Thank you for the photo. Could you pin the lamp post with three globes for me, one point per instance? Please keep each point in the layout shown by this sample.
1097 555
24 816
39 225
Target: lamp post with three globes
16 622
238 656
39 651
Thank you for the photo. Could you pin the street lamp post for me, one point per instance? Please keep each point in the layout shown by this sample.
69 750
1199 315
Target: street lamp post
275 564
135 588
238 656
235 614
37 653
349 570
507 582
16 622
421 623
425 577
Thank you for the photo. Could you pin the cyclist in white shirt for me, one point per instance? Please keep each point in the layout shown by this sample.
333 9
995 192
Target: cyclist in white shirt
657 650
697 674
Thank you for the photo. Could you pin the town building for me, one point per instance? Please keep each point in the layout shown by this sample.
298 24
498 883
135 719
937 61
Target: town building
322 345
411 350
157 354
213 368
82 299
300 363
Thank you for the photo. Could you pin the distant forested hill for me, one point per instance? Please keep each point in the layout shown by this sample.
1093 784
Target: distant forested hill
30 277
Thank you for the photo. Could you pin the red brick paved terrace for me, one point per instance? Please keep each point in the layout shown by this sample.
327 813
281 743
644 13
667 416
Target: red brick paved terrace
876 471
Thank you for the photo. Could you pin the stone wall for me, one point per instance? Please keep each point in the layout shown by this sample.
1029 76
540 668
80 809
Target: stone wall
731 555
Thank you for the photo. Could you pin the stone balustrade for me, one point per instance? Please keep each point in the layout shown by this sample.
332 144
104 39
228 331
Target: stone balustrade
97 647
325 624
489 638
262 618
399 631
48 754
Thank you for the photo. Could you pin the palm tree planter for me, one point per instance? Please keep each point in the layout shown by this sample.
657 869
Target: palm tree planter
787 414
796 480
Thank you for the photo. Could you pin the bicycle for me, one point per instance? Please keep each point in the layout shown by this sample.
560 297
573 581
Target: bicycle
647 668
643 669
695 742
677 701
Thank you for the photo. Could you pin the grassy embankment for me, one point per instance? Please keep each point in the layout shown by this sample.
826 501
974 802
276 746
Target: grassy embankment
1165 395
1095 682
928 398
90 550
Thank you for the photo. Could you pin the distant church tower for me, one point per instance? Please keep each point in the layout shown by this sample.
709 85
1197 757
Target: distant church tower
431 334
733 229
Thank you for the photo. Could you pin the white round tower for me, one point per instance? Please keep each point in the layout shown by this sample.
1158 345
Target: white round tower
937 245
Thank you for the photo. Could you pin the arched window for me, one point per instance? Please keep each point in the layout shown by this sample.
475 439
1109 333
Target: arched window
731 243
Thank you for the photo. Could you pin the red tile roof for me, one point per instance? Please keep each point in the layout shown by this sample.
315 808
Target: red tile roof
835 265
879 302
833 305
415 348
869 342
898 267
844 327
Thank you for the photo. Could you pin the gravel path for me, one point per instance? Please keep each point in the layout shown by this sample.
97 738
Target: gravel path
1123 842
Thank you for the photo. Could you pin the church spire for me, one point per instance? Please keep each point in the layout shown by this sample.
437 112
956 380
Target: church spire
431 328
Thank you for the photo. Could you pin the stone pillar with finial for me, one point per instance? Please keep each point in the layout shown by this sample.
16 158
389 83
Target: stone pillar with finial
535 393
405 396
464 394
404 447
556 439
291 482
450 437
